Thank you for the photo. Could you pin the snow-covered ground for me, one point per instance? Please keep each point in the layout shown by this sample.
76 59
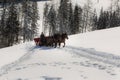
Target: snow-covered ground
101 40
89 56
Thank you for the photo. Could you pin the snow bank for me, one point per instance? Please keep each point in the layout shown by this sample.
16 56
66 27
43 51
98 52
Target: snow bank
102 40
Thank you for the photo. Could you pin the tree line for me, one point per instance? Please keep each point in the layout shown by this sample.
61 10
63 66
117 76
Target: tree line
18 22
107 19
62 19
75 19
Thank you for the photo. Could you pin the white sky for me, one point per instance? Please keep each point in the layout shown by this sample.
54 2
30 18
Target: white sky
102 3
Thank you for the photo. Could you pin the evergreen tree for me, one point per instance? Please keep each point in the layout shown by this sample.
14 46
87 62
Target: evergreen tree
113 20
45 18
11 30
77 18
87 13
94 21
35 17
3 24
63 16
71 18
103 21
30 15
52 20
26 20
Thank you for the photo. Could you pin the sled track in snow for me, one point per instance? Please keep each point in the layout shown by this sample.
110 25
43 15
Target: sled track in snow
83 52
6 68
92 54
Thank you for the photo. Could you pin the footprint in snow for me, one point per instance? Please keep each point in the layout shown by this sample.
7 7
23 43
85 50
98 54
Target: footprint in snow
76 63
21 79
85 64
101 67
37 64
60 63
51 78
19 68
84 77
110 72
57 64
66 67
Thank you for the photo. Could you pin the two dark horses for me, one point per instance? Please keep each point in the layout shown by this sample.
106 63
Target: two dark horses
53 41
60 38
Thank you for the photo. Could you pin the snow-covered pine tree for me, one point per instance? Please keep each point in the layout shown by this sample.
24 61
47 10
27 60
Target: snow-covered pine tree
113 19
35 17
30 15
26 21
103 20
52 20
11 31
63 16
87 13
71 19
94 21
45 18
77 19
114 12
117 12
3 24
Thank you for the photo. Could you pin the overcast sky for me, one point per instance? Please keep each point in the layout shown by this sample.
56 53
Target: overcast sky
98 4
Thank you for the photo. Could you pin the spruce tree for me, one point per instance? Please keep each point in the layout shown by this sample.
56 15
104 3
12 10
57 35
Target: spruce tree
35 17
3 23
11 31
71 18
52 20
30 17
26 20
94 21
103 21
45 18
77 17
87 13
63 16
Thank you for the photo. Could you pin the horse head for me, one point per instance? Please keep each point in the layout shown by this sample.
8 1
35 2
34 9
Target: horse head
65 35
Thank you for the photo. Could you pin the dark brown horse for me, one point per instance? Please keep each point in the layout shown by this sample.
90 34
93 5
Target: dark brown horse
60 38
49 41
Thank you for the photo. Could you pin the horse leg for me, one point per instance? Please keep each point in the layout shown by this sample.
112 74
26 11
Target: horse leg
55 44
52 44
59 44
64 44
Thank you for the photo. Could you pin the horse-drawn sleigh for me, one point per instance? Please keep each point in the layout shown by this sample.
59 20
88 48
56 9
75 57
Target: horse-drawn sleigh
52 41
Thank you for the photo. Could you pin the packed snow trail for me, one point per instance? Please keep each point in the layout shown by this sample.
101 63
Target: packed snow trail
7 67
45 63
92 54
